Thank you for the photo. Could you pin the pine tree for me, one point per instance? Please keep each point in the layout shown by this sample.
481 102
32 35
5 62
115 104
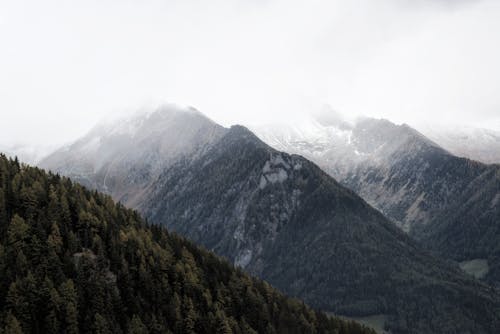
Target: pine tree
12 326
189 321
3 211
128 277
246 328
100 325
54 240
223 326
52 324
17 233
136 326
18 303
29 202
71 319
69 306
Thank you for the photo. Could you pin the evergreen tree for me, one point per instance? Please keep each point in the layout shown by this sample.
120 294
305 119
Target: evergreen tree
12 326
136 326
3 211
100 325
55 240
17 233
73 261
223 326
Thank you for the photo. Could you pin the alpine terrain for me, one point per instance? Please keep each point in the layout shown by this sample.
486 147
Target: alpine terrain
73 261
280 217
465 141
450 204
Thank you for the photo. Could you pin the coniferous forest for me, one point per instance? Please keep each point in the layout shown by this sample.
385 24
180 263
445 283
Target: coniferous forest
73 261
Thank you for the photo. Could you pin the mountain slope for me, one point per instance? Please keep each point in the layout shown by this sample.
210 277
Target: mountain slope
282 218
473 143
73 261
31 154
450 204
384 163
469 228
123 157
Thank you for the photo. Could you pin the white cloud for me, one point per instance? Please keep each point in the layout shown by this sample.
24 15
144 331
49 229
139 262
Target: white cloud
64 64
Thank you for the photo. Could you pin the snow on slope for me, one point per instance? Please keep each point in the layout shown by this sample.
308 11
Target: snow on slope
465 141
123 156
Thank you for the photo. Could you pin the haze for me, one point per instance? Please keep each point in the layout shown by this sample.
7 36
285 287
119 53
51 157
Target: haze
66 64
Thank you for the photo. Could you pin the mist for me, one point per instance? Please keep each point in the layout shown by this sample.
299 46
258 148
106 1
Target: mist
65 65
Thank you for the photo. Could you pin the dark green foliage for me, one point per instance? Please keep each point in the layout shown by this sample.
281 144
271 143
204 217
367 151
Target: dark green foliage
73 261
314 239
469 226
448 203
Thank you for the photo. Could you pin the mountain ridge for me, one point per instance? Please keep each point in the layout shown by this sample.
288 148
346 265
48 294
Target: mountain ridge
440 199
73 261
281 217
197 198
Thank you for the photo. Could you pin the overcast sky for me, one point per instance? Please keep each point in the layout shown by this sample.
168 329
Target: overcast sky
65 64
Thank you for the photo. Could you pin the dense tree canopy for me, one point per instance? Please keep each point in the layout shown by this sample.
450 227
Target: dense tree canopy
73 261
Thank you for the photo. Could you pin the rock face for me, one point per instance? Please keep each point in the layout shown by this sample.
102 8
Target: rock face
122 158
450 204
384 163
100 268
281 217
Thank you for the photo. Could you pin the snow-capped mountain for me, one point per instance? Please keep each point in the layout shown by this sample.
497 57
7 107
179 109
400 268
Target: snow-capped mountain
26 153
278 216
282 218
465 141
123 156
363 156
450 204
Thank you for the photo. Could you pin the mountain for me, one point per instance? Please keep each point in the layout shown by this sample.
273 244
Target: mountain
450 204
465 141
280 217
384 163
123 157
26 153
73 261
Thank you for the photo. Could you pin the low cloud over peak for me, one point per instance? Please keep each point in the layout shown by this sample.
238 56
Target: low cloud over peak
64 66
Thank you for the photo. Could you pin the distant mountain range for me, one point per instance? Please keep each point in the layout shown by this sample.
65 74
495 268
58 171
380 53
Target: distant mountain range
281 217
450 204
465 141
27 153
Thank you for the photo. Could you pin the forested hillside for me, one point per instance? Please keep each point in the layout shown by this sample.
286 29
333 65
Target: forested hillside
282 218
73 261
449 204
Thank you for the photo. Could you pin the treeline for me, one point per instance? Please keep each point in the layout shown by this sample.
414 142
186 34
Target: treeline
73 261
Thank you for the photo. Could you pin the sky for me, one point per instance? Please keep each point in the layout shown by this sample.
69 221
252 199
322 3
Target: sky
64 65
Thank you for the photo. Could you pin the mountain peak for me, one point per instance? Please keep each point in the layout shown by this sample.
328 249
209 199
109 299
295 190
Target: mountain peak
327 116
119 157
